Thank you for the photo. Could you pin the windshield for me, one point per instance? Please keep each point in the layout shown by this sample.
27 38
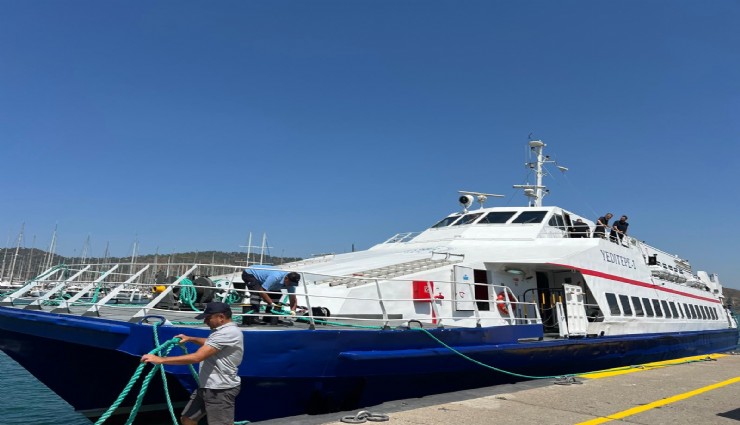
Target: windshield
446 221
530 217
467 219
497 217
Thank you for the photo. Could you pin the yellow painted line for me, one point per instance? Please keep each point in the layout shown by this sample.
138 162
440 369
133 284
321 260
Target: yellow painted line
655 365
659 403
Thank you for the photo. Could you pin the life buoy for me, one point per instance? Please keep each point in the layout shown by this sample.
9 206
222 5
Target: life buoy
501 301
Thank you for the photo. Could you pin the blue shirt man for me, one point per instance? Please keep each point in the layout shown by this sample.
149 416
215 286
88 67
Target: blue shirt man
260 279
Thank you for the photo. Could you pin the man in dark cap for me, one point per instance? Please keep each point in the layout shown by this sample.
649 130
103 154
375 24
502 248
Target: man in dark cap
220 356
262 279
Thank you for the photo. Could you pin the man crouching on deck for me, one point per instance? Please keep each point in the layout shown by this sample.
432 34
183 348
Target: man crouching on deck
220 355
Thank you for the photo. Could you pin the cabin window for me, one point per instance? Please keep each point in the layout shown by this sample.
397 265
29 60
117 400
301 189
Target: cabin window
693 312
674 310
699 313
656 306
611 299
709 313
704 312
686 311
625 301
497 217
648 307
467 219
530 217
446 221
714 313
638 306
666 310
557 221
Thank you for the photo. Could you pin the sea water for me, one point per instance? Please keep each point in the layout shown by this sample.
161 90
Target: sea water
27 401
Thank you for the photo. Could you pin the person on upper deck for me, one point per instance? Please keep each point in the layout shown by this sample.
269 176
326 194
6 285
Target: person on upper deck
262 278
619 229
601 224
579 229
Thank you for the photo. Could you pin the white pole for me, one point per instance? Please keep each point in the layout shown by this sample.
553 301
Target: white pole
17 248
262 250
538 200
5 254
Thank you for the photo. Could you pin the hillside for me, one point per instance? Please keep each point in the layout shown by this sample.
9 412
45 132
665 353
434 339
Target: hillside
733 298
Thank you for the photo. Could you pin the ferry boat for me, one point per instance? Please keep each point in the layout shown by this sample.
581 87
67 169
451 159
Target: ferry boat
487 295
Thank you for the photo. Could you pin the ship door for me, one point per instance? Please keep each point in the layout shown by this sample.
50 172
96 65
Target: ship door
575 311
545 300
464 288
482 289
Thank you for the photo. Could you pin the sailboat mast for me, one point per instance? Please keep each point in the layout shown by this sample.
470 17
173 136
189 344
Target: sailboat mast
17 248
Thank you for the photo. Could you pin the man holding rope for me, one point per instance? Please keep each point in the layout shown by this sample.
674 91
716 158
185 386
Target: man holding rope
219 356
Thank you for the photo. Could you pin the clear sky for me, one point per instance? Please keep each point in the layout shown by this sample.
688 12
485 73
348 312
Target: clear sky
189 124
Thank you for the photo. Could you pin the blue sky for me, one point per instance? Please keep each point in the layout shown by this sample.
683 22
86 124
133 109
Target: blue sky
189 124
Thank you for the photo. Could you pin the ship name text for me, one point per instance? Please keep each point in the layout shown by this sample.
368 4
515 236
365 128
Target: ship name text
611 257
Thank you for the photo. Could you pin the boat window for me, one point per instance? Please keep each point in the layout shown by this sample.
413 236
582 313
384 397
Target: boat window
687 313
709 313
530 217
497 217
666 310
693 312
656 306
703 312
625 301
714 313
648 307
446 221
611 299
467 219
557 221
674 310
638 306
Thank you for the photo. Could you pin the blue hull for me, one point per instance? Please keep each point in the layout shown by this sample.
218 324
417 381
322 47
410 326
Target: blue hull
87 361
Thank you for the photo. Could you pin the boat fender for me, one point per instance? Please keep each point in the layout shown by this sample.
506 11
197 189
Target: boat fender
502 303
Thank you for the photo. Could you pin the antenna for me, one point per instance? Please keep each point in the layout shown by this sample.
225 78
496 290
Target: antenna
537 191
479 196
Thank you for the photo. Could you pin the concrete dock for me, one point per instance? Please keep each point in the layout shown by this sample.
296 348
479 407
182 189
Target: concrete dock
687 391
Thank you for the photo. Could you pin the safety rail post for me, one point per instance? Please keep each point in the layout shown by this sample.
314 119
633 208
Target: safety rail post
434 305
145 310
8 301
311 320
509 305
382 305
38 303
95 309
475 304
65 304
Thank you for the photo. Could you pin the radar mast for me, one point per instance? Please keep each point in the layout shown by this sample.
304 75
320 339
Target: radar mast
536 192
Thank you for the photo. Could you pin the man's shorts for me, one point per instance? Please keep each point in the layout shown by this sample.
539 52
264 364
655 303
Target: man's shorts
218 405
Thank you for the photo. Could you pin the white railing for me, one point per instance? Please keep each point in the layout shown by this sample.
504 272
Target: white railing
376 301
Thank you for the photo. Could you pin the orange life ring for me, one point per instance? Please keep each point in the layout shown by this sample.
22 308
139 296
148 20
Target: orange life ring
501 302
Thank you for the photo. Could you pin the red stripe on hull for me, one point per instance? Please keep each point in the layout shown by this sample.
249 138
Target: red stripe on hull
633 282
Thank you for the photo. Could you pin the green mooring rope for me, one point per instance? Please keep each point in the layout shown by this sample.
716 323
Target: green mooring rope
542 377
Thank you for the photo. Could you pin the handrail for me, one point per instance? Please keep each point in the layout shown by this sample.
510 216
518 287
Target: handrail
388 304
